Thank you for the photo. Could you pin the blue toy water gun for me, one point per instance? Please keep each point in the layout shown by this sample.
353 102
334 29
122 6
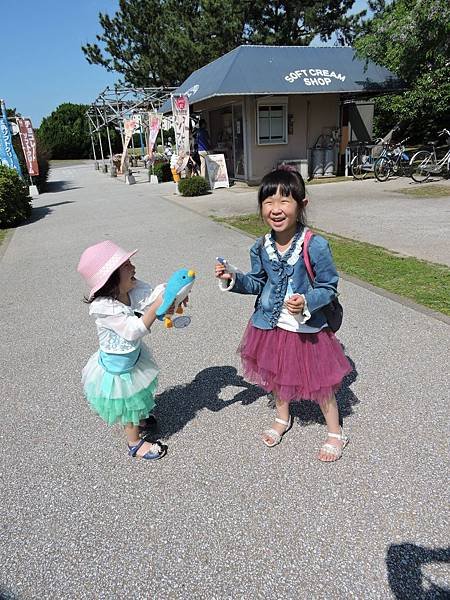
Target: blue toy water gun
177 289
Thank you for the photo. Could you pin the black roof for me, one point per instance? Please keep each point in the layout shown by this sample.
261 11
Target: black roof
260 70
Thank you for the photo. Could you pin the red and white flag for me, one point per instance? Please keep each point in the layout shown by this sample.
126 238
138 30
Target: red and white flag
130 126
28 145
154 124
180 111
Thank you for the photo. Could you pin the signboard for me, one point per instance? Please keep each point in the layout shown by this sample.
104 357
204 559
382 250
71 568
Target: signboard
28 145
8 156
217 171
180 111
312 77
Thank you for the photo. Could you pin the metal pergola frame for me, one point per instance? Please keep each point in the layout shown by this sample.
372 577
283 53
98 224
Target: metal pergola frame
113 105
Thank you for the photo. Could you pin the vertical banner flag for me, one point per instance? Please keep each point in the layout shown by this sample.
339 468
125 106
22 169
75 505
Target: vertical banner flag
180 110
154 123
28 145
8 156
130 126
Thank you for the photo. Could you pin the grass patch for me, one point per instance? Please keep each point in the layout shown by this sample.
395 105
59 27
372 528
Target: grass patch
426 191
68 162
3 234
328 180
423 282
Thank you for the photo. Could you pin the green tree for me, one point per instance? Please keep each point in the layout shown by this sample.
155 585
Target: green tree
412 39
66 132
161 42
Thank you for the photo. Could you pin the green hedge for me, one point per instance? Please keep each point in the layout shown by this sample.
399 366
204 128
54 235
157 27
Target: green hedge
15 203
162 171
193 186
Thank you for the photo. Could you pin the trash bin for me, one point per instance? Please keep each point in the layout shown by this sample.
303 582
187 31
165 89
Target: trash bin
329 167
317 161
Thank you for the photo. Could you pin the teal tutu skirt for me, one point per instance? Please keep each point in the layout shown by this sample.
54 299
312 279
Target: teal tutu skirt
127 398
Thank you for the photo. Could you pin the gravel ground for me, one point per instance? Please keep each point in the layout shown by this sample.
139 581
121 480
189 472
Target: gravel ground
222 516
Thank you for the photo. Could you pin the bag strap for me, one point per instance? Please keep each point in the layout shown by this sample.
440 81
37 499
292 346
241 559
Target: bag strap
308 235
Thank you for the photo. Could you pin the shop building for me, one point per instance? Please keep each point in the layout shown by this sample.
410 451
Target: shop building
267 104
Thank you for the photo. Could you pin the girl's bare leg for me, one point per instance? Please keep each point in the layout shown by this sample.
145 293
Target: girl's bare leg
133 438
283 413
331 413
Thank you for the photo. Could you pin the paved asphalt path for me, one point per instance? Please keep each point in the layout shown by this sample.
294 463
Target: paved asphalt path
222 516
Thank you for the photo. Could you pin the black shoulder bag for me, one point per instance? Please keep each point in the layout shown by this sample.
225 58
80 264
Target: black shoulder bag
333 312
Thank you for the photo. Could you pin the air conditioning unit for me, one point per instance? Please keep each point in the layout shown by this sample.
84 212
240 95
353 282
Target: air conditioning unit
300 164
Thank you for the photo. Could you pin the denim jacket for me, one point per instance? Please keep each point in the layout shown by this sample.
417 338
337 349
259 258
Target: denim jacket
269 278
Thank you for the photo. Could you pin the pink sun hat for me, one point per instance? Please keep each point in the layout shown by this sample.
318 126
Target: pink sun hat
98 263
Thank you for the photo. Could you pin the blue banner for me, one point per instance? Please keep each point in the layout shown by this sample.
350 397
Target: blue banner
8 155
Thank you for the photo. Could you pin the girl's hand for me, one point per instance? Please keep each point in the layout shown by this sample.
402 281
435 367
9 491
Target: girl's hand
221 272
171 309
295 304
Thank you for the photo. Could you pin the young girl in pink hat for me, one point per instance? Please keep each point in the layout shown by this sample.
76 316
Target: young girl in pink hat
120 379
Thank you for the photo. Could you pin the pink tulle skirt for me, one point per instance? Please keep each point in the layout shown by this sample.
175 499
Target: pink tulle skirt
294 366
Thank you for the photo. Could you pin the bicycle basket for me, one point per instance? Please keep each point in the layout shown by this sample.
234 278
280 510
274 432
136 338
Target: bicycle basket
377 150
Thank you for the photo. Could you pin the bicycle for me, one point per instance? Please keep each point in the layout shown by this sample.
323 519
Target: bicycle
425 163
363 162
394 162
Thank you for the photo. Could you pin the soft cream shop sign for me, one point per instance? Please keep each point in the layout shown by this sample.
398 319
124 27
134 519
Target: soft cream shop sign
321 77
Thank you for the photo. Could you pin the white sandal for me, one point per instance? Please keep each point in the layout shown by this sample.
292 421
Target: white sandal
273 433
334 450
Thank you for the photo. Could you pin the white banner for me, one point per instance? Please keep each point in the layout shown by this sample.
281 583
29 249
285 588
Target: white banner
130 126
180 110
154 124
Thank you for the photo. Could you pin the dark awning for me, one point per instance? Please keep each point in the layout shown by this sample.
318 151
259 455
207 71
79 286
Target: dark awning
260 70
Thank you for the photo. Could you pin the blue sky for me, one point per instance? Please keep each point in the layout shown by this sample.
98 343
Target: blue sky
42 65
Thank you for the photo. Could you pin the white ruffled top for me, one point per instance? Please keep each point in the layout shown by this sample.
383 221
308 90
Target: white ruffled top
119 329
287 321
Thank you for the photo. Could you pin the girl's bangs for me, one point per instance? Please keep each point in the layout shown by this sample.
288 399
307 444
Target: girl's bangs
272 186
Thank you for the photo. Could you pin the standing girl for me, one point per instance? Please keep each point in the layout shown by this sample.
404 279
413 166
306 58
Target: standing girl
120 379
288 348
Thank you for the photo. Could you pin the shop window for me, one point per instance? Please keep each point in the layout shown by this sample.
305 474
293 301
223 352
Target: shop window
271 122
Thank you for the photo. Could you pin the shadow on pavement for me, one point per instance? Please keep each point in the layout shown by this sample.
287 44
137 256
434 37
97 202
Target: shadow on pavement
59 186
180 404
42 211
5 594
404 565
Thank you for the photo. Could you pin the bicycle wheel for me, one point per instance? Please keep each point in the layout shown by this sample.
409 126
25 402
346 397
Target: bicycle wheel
403 168
383 168
421 165
357 167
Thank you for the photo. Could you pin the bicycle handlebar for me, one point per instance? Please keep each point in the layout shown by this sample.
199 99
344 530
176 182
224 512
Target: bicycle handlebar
444 131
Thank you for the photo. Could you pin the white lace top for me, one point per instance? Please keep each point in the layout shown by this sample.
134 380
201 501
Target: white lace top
119 329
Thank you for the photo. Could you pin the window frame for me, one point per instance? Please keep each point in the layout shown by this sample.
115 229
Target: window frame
268 103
